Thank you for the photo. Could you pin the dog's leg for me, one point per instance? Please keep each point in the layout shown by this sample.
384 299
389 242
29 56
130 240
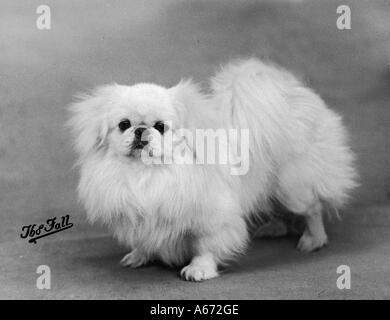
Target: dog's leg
202 267
136 258
314 236
297 192
220 243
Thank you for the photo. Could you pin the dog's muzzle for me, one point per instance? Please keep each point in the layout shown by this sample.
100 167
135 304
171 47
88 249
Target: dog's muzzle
141 138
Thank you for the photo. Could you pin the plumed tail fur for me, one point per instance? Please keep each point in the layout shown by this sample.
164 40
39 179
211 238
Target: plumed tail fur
299 147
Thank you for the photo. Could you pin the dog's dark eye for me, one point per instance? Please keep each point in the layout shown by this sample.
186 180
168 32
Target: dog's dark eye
124 125
160 127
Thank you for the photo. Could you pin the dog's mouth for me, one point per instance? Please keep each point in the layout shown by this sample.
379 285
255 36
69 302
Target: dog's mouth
140 145
140 150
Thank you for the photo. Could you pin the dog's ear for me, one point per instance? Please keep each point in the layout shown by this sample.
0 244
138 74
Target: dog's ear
187 98
88 120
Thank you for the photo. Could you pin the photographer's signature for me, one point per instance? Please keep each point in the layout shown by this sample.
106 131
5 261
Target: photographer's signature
35 232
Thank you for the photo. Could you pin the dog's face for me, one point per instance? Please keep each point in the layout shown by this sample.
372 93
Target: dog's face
139 121
124 121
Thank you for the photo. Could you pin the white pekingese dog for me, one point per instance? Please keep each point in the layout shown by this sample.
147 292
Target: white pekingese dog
164 206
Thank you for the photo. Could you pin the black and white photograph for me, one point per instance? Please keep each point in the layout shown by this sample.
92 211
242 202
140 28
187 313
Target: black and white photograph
203 150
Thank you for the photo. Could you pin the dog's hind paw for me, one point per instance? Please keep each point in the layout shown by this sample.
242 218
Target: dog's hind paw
134 259
309 242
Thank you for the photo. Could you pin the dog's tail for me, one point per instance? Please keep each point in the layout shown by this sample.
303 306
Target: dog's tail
253 93
285 120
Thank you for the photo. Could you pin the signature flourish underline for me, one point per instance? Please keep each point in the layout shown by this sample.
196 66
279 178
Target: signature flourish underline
34 240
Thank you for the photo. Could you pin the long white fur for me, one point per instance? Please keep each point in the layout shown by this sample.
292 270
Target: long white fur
198 214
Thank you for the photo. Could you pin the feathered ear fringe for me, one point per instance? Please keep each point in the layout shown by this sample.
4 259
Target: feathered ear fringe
88 121
187 98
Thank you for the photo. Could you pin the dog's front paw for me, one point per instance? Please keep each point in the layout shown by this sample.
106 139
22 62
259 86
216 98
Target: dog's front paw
134 259
197 272
309 242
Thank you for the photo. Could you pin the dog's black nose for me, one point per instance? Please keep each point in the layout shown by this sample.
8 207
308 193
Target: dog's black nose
138 132
141 137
